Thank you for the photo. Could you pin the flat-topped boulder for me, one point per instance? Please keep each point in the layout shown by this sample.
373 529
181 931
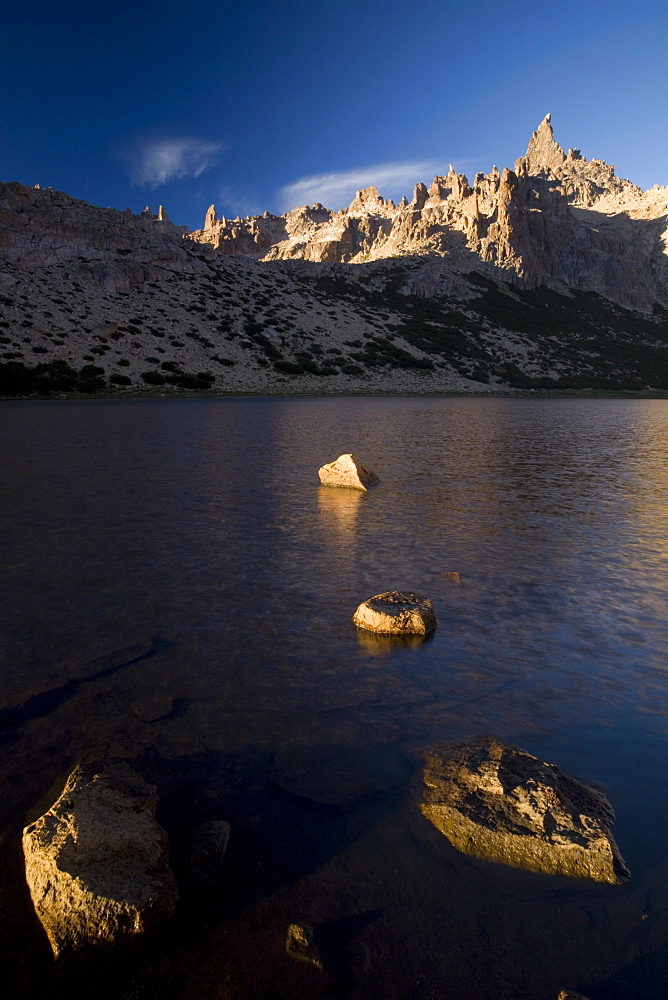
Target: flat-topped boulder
395 613
346 471
97 862
496 801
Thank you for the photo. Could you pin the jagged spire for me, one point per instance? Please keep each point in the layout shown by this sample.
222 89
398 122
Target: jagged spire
543 150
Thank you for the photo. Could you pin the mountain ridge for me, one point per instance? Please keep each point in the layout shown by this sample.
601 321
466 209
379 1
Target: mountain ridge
550 276
523 225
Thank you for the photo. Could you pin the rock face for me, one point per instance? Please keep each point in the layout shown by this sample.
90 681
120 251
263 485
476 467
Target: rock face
347 472
496 801
40 227
97 862
555 216
394 613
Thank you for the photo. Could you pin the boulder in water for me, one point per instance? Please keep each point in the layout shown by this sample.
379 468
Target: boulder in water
394 613
496 801
97 861
348 472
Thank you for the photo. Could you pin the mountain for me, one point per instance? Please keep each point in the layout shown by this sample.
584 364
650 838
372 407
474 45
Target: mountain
556 216
553 275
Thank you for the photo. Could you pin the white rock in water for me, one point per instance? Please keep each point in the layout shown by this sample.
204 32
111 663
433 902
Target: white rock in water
97 861
346 471
396 614
496 801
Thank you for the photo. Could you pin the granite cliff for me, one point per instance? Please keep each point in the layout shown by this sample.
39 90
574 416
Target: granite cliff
552 275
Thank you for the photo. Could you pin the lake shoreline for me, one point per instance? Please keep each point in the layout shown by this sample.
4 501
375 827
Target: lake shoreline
504 392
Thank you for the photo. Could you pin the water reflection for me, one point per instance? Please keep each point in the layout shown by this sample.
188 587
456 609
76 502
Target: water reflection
339 508
377 644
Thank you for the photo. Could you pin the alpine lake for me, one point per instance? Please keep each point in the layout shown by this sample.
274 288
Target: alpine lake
178 592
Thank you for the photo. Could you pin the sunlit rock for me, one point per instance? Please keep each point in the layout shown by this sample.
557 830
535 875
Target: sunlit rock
396 614
347 472
496 801
300 945
97 861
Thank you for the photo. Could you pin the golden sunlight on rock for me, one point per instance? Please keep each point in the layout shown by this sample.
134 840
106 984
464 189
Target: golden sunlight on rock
393 613
346 471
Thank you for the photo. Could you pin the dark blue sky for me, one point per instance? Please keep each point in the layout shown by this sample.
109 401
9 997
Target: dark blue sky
125 104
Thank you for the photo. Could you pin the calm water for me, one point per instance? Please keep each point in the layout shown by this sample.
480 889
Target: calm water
178 591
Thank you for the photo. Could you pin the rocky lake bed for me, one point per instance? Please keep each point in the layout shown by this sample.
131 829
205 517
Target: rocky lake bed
184 665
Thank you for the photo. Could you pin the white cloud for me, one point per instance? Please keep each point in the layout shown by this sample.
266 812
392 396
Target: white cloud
155 161
337 190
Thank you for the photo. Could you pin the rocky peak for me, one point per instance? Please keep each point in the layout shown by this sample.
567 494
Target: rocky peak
420 195
368 200
210 219
543 150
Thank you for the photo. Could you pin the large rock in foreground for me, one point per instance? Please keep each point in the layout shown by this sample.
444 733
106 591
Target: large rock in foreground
496 801
97 861
394 613
348 472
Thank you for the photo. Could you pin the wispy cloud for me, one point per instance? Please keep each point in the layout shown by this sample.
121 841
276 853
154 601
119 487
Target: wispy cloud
338 189
238 201
155 161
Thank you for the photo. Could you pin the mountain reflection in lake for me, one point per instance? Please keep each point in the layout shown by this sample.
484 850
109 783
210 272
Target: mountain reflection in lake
178 591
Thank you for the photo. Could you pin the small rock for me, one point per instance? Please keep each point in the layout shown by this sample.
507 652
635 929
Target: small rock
299 944
346 471
496 801
568 995
396 614
205 852
97 861
453 577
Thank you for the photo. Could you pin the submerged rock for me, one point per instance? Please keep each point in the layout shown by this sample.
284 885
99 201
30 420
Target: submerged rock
496 801
348 472
340 774
300 944
153 708
394 613
205 852
97 861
